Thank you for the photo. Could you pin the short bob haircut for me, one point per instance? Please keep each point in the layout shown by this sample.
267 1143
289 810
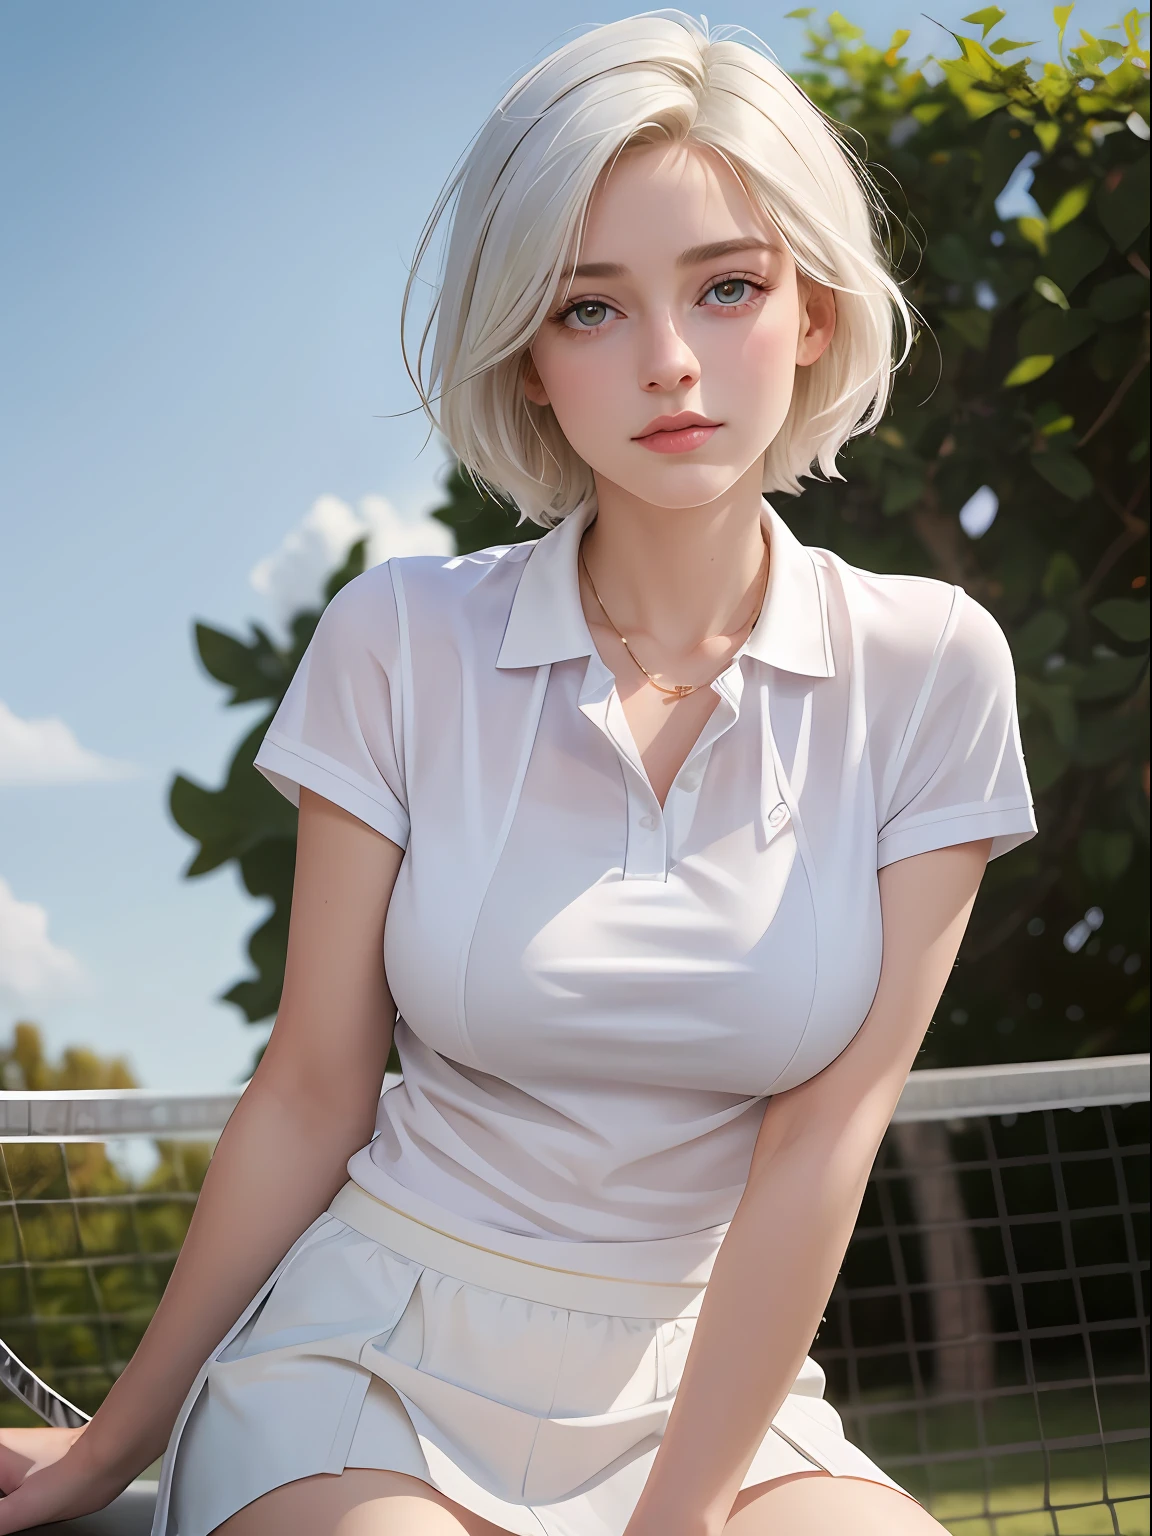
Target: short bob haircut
521 195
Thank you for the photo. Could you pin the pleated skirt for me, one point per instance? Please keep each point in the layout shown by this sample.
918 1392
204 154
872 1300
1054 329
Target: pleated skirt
532 1393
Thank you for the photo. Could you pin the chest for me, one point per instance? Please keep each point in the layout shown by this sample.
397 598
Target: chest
663 729
593 925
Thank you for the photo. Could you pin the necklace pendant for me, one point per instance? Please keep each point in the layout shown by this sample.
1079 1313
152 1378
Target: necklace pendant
682 690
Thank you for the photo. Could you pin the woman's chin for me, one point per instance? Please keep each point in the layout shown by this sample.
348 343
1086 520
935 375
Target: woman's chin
682 492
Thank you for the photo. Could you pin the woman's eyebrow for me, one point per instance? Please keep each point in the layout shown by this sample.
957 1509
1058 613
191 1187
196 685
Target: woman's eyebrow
692 257
698 253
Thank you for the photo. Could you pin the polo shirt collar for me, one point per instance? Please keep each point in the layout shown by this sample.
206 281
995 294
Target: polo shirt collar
547 622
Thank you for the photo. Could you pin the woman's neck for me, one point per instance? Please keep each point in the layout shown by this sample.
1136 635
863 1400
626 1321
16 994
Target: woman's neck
679 576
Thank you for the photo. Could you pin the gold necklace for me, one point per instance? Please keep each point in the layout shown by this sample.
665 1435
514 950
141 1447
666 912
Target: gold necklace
678 690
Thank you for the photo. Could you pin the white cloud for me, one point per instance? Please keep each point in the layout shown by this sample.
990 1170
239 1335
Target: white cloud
293 576
47 752
32 968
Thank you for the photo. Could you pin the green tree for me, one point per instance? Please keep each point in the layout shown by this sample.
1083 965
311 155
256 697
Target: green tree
246 821
1030 378
25 1068
1033 381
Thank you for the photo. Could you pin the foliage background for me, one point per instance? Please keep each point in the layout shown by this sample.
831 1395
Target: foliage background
1029 378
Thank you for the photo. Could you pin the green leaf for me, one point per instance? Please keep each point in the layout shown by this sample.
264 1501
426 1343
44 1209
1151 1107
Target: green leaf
267 869
1122 202
253 669
1047 289
1105 855
1107 737
954 259
1073 253
1111 677
1123 617
1035 231
1069 206
1054 87
1055 701
230 820
1064 473
903 488
1119 298
1047 760
1039 637
1061 577
1006 45
991 16
1048 134
928 111
1091 53
1027 369
976 57
1055 332
353 566
801 15
256 999
478 519
980 103
1059 425
973 326
843 29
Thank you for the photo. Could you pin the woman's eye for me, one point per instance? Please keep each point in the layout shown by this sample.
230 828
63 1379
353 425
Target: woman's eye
731 290
587 315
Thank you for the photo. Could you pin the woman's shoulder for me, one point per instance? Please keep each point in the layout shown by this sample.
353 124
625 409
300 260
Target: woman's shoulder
909 622
374 608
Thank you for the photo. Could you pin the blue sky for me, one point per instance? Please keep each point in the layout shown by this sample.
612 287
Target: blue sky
207 214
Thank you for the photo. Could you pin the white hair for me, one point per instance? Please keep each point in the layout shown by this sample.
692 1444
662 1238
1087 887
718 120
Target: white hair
518 203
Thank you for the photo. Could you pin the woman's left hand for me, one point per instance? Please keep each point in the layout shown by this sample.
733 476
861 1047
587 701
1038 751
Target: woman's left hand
46 1476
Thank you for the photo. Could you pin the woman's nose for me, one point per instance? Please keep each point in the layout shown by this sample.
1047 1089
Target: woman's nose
668 361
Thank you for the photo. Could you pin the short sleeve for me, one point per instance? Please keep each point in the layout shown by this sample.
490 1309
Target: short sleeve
960 775
338 730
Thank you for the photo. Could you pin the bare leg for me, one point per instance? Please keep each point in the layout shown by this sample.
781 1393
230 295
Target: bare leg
358 1502
817 1504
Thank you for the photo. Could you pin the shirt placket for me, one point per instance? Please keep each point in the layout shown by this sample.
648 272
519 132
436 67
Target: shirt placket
654 834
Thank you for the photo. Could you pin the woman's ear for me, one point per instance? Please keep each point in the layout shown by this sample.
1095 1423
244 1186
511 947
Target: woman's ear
817 319
533 388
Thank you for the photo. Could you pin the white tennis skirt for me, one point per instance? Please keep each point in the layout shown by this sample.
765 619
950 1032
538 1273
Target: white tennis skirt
529 1392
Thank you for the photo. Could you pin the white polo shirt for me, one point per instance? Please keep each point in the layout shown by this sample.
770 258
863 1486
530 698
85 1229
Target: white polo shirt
596 996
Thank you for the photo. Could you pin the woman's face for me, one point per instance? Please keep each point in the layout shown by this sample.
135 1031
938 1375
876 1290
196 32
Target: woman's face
683 301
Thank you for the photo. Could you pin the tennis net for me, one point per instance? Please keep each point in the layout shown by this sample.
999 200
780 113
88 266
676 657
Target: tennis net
986 1343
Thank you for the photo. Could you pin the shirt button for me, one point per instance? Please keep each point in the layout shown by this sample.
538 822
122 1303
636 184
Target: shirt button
778 815
649 823
690 781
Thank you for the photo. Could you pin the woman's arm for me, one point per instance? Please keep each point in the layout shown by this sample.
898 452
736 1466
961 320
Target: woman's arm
311 1104
779 1260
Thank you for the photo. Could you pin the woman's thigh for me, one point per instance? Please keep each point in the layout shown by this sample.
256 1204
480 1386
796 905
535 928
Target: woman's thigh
358 1502
817 1504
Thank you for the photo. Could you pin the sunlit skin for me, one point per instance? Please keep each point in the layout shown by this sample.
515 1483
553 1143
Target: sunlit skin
678 557
683 299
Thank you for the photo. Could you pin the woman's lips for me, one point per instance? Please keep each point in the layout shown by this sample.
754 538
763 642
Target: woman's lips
681 440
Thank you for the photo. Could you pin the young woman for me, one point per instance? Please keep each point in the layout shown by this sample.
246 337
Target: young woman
655 838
